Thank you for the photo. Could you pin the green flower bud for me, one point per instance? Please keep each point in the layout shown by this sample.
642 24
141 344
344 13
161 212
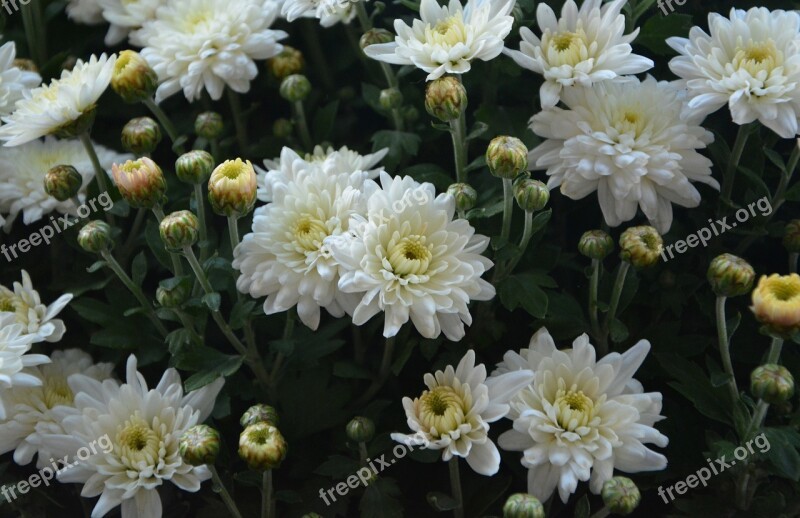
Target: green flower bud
375 37
791 236
133 79
506 157
730 276
141 136
199 445
595 244
179 229
62 182
360 429
446 98
209 125
232 188
282 128
289 61
194 167
465 196
410 113
140 182
621 495
641 246
773 383
531 195
259 414
295 88
390 99
95 237
522 505
172 294
262 446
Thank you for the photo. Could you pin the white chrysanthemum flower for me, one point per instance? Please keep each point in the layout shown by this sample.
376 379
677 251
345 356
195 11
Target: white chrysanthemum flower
750 61
87 12
15 344
49 109
26 307
143 426
580 418
628 142
14 82
22 171
453 415
30 409
126 16
410 259
196 45
328 12
582 48
448 38
345 160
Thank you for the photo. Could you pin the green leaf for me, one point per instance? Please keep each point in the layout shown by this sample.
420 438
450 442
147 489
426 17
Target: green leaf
176 339
583 508
212 301
97 265
523 291
139 268
225 368
134 311
285 347
477 130
486 212
338 467
380 500
441 502
658 28
540 220
153 239
694 385
476 164
618 330
782 453
240 312
775 158
324 119
350 370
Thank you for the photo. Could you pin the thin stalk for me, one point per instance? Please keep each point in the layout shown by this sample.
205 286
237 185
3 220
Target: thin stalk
793 262
134 233
223 492
363 17
363 453
302 125
508 208
201 217
383 374
458 130
318 61
238 120
189 326
266 494
99 172
724 348
527 233
135 290
177 266
616 293
165 122
249 335
35 33
593 289
455 487
233 231
288 331
733 162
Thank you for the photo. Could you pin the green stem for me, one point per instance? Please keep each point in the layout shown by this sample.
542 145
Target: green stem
33 22
616 293
363 17
724 348
166 123
383 374
508 208
318 61
135 290
302 125
363 453
793 262
133 234
458 130
288 331
223 492
266 494
733 162
527 233
455 487
177 266
233 231
99 173
238 120
593 290
189 326
201 217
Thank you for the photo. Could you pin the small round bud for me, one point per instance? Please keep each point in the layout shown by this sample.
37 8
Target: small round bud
465 196
791 236
232 188
410 113
173 294
730 276
140 182
446 98
282 128
621 495
360 429
259 414
641 246
199 445
595 244
208 125
773 383
262 446
194 167
141 136
295 88
522 505
531 195
506 157
95 237
62 182
375 37
390 99
179 229
776 304
133 78
289 61
26 64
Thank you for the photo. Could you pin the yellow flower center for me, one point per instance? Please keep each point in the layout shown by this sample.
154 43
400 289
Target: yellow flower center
309 232
7 303
758 57
448 32
410 256
573 408
566 48
259 435
441 409
137 442
784 289
57 392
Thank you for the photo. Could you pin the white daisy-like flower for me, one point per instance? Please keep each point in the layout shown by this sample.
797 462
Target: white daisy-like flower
87 12
286 257
628 142
582 48
751 61
52 108
196 45
22 171
410 259
580 418
26 307
15 344
345 160
126 16
328 12
143 426
446 39
453 415
14 82
31 409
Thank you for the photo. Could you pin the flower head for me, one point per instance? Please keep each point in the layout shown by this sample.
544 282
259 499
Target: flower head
199 445
133 79
87 12
126 16
232 188
453 415
581 418
262 446
446 39
641 246
627 142
751 61
14 81
328 12
582 48
140 182
776 303
27 309
15 344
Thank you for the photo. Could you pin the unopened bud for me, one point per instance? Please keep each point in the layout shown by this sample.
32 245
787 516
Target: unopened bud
641 246
595 244
375 37
199 445
141 136
730 276
232 188
95 237
531 195
194 167
506 157
133 78
410 113
289 61
173 292
25 64
621 495
63 182
776 304
522 505
262 446
445 98
360 429
208 125
295 88
259 414
465 196
773 383
179 229
390 99
282 128
140 182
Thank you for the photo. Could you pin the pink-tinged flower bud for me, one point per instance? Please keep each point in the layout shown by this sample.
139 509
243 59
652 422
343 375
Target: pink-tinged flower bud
140 182
776 304
232 188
